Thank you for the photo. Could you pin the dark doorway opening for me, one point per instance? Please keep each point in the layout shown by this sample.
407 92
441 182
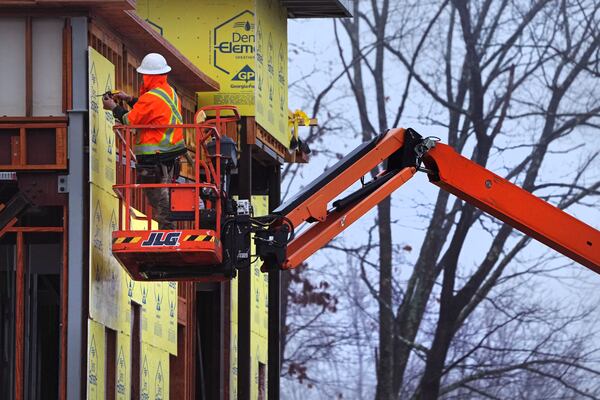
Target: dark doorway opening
8 263
43 260
209 342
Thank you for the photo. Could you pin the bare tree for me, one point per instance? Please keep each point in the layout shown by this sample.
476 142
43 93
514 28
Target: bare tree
316 339
510 82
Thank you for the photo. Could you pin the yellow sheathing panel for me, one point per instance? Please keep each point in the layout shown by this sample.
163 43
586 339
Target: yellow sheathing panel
233 371
123 371
159 306
240 43
259 290
170 317
264 328
258 317
233 337
105 291
217 36
154 383
102 151
96 365
111 290
271 94
138 291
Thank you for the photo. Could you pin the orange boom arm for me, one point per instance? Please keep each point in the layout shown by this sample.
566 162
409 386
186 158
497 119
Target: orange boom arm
403 151
513 205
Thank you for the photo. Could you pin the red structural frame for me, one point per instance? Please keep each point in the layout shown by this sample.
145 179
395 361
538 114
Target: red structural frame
20 294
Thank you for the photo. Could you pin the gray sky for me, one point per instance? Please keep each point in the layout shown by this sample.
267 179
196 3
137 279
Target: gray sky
313 52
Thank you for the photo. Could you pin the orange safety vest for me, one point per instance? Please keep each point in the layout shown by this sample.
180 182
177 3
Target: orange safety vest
158 106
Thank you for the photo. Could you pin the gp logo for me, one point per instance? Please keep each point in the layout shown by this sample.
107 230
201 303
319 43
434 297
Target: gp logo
159 239
246 74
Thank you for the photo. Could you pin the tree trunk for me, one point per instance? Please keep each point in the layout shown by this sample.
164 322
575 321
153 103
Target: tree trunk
385 366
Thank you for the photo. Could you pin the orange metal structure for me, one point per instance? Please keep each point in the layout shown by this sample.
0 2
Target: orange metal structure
197 253
513 205
446 169
146 253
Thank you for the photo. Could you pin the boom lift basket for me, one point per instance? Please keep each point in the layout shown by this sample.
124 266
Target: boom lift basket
194 252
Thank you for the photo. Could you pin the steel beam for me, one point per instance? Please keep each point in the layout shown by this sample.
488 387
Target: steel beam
274 324
76 320
244 298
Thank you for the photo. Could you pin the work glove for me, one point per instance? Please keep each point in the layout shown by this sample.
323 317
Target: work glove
108 103
122 96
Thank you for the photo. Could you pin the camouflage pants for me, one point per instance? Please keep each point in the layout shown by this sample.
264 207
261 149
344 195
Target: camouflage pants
158 197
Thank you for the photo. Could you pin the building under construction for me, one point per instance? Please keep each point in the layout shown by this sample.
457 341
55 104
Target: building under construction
74 323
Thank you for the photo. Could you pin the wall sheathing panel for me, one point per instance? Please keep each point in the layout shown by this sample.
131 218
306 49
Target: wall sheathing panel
96 364
203 21
271 94
123 368
258 320
240 43
154 382
126 61
47 66
129 81
111 291
233 342
243 45
35 73
12 62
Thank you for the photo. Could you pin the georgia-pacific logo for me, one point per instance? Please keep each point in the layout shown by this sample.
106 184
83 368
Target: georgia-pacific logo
246 74
232 40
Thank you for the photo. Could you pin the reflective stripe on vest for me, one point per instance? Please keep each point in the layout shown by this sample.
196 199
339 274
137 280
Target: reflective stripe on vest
171 102
165 144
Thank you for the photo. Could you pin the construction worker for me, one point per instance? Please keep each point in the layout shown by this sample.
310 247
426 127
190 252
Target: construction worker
157 150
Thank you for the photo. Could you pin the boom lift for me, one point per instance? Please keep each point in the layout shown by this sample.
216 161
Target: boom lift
202 203
404 152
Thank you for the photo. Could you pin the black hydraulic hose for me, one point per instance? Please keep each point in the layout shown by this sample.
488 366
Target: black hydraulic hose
364 191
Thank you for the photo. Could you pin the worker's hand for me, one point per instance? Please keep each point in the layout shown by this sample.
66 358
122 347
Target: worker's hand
122 96
108 103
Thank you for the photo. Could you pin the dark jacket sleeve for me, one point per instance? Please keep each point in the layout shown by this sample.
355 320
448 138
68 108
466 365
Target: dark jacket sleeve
118 113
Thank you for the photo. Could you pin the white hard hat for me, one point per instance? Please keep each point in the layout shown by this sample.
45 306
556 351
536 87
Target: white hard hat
153 64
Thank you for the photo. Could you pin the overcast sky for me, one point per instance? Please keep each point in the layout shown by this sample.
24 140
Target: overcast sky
312 47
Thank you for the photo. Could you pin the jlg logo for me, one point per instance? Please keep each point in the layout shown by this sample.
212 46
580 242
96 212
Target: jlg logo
162 239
